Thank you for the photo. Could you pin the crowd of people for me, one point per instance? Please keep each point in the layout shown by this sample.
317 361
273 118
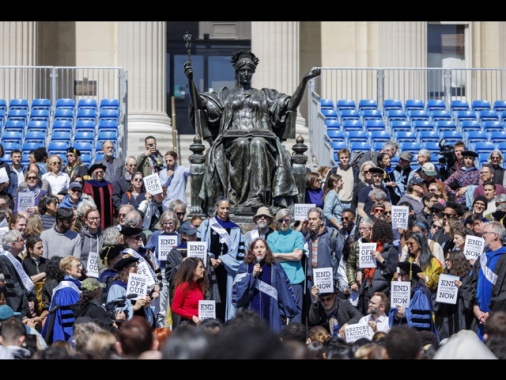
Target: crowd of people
75 239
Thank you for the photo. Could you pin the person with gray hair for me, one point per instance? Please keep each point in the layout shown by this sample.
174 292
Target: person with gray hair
113 164
390 147
122 183
20 286
496 161
288 247
424 156
353 272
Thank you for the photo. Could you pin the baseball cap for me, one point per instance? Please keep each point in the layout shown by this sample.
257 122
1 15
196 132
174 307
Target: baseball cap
188 229
429 169
6 312
75 185
91 284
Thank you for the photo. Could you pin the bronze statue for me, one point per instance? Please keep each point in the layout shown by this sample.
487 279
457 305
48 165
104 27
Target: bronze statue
247 162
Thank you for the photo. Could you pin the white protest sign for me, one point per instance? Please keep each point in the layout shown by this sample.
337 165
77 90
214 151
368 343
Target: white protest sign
26 199
400 293
400 216
152 184
197 249
144 270
207 309
323 279
92 265
365 258
300 210
3 175
473 247
358 330
137 284
165 245
446 289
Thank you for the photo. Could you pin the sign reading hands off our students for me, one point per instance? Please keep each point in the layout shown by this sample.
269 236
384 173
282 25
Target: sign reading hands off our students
152 184
137 284
365 257
400 215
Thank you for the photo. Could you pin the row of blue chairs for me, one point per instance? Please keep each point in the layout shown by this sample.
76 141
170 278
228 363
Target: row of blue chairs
60 103
413 104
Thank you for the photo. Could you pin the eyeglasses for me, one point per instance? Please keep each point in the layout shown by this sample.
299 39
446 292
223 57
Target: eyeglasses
366 171
326 299
436 226
488 232
55 163
76 190
449 215
380 210
31 178
286 220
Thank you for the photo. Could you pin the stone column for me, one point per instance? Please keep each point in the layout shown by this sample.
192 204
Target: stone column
277 45
18 47
142 52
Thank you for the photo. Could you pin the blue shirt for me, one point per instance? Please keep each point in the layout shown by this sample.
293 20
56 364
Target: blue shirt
286 242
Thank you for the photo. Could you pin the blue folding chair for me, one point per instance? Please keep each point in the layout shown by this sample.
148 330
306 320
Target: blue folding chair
64 114
499 105
405 136
497 136
357 136
436 104
86 114
472 137
399 125
332 124
40 114
470 125
392 104
396 115
423 125
446 125
414 104
12 137
87 103
352 125
336 135
373 115
65 103
452 137
480 105
37 126
459 105
84 136
410 146
109 103
35 136
440 115
491 126
367 104
83 146
379 136
62 125
483 147
40 104
488 115
428 136
349 114
19 104
18 114
372 125
418 115
329 113
345 104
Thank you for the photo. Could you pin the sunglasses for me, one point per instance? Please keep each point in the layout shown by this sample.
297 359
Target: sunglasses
436 226
326 299
286 220
76 190
346 218
449 215
180 213
380 210
31 178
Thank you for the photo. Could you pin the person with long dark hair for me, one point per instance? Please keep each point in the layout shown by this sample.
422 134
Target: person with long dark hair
191 286
386 255
261 284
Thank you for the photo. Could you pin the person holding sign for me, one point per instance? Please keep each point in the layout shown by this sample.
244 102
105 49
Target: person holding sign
486 275
419 313
378 278
33 187
101 192
331 312
420 254
261 284
451 318
126 265
191 286
136 192
225 246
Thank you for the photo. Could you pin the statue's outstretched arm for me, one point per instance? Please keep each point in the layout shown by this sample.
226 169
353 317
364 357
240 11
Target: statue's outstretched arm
296 98
194 93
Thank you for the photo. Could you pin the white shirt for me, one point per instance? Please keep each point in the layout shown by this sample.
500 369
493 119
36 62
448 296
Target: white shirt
381 322
58 182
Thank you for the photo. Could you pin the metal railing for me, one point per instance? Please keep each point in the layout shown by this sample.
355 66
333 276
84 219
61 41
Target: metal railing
395 83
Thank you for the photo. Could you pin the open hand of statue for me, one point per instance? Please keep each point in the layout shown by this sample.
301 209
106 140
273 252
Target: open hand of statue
188 70
313 73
